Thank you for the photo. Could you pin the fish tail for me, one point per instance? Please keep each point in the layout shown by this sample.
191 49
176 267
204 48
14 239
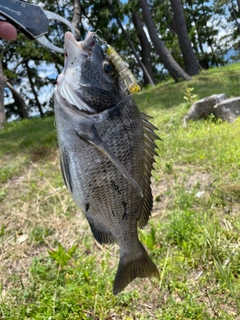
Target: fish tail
130 268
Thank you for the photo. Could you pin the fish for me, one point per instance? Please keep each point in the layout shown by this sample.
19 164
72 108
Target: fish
107 150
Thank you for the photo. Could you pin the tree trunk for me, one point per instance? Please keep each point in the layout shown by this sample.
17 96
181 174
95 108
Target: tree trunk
20 103
235 13
145 45
168 61
189 58
126 35
238 2
76 19
34 91
2 84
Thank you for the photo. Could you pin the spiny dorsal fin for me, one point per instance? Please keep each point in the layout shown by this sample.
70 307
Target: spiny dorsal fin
150 151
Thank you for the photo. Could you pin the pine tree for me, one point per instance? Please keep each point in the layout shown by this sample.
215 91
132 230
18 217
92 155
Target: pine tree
168 61
189 58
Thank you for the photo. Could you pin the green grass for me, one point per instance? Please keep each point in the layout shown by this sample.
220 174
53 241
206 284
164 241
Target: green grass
50 265
24 141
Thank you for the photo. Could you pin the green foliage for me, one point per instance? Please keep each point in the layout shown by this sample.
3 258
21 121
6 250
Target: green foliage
203 34
39 234
202 18
19 54
189 97
61 256
149 238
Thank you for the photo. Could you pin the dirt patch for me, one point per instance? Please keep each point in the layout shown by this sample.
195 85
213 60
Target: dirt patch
190 179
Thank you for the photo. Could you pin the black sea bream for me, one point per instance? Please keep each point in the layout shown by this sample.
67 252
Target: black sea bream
107 152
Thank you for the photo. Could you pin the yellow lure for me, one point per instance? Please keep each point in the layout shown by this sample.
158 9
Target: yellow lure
123 70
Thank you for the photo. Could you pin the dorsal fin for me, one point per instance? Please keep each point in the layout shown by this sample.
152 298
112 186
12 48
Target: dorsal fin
150 151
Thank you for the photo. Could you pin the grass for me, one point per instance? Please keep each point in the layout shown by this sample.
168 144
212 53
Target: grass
25 141
50 265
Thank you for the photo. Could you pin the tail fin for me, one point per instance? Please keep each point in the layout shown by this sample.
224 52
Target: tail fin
129 269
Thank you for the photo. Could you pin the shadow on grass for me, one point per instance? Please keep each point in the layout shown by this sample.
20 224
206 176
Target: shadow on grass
27 134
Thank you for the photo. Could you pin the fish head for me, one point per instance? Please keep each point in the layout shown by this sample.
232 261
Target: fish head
89 80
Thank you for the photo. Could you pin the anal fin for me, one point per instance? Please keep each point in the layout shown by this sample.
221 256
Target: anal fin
100 236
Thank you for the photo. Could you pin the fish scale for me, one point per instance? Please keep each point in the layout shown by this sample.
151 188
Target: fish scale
106 153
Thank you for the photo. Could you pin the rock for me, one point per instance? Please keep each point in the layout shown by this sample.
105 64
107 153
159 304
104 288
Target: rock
203 108
228 110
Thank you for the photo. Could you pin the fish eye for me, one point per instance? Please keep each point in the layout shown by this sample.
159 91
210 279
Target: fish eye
108 68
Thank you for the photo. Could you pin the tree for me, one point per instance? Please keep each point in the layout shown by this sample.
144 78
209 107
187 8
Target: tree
202 24
76 18
145 47
231 37
21 78
19 101
168 61
31 73
25 63
189 58
127 37
20 104
2 84
234 9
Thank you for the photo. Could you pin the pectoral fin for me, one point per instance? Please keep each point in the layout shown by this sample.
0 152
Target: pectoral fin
90 134
65 170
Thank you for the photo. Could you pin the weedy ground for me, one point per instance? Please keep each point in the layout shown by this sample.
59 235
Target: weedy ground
50 265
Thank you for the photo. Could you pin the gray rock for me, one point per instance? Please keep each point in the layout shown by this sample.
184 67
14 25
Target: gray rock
202 109
228 110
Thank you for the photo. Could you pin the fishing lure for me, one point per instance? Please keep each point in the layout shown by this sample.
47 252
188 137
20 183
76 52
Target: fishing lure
120 65
123 70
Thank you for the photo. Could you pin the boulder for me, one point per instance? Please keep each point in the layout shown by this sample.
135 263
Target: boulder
228 110
202 109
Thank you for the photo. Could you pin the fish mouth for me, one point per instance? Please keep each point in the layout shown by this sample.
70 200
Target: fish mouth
76 52
69 80
85 46
83 79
